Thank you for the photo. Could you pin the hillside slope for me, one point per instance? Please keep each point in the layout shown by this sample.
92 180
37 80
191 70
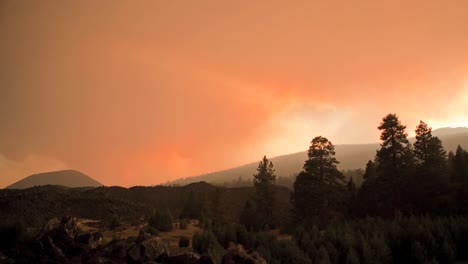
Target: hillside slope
67 178
352 156
34 206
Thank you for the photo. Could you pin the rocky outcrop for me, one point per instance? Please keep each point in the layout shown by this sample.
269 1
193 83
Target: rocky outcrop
237 254
60 242
93 239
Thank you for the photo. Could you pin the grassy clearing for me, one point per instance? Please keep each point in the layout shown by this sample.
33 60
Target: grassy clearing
173 236
125 231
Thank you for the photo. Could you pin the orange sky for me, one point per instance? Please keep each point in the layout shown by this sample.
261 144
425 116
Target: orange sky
142 92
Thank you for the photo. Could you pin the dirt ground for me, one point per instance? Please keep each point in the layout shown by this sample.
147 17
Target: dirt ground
172 237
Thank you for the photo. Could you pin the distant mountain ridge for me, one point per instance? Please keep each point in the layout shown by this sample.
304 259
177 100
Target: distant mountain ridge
67 178
350 156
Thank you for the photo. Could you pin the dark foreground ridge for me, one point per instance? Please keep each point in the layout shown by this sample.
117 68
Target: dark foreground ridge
59 241
35 206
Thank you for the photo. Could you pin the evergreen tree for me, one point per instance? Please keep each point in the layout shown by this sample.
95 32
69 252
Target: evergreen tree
458 163
367 193
264 181
371 171
423 137
352 257
351 187
161 220
428 182
418 253
192 207
265 173
352 195
217 207
394 162
392 158
322 256
428 150
249 216
381 249
319 187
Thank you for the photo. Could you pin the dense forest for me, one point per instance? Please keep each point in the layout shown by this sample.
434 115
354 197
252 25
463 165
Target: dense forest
409 208
409 205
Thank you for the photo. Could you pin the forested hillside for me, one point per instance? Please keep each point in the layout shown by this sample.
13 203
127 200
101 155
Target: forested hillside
350 156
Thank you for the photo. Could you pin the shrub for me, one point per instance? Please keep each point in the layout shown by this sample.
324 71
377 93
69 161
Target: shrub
288 252
243 236
249 216
114 222
11 234
322 256
152 231
183 224
447 254
161 220
184 242
207 244
352 257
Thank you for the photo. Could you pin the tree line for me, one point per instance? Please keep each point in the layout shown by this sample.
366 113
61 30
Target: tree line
403 179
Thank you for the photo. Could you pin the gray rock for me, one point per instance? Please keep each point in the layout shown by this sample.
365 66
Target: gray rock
237 254
154 248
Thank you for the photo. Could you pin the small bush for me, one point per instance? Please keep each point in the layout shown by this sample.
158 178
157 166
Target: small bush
184 242
205 242
161 220
152 231
183 224
11 234
114 222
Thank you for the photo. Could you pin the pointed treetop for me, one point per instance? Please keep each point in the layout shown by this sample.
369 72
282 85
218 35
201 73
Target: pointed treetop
392 130
265 173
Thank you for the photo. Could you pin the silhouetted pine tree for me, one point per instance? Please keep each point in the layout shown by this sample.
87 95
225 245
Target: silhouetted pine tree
192 207
394 162
368 193
352 196
428 150
249 216
458 164
352 257
318 189
322 256
428 182
264 181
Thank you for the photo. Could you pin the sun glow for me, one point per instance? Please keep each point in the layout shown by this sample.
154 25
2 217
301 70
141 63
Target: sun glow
458 111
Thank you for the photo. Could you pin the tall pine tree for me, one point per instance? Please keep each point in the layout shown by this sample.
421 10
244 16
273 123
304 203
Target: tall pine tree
394 162
368 191
428 150
318 189
264 181
429 184
393 157
458 164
